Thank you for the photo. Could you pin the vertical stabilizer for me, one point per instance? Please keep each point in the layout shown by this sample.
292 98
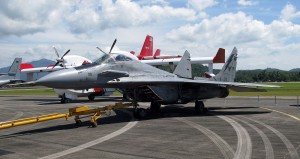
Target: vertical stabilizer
184 67
227 74
220 56
147 49
14 69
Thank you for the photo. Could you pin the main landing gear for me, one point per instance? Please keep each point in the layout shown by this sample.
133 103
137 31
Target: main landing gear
64 99
199 107
91 97
155 106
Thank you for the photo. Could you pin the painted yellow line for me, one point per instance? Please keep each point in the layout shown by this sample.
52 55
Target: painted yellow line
292 116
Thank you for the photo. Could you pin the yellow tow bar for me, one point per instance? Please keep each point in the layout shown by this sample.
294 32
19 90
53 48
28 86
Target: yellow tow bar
78 112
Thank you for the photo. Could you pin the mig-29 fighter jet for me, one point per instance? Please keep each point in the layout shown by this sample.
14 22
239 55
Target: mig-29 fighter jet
145 83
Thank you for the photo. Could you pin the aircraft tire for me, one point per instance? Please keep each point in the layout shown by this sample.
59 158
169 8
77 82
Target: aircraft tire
62 101
78 123
91 97
125 97
155 106
94 124
199 107
140 113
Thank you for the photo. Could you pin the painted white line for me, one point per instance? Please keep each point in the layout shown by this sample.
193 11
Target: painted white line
128 126
244 146
292 151
223 146
267 143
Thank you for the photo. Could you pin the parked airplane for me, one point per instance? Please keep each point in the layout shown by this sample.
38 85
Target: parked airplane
146 56
144 83
13 74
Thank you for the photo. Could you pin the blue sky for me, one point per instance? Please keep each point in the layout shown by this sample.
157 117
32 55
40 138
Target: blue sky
265 32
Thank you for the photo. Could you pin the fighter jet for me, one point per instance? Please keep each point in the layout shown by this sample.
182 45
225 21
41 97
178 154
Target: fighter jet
13 74
145 83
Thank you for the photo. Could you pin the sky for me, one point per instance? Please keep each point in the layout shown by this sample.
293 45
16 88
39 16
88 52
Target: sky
265 32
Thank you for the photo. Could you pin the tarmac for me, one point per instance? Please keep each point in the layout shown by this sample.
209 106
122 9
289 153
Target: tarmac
232 128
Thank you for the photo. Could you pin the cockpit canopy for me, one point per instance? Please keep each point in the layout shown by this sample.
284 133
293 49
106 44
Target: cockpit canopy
106 59
111 58
121 57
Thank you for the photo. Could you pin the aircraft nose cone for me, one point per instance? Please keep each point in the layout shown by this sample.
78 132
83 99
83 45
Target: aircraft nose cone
63 79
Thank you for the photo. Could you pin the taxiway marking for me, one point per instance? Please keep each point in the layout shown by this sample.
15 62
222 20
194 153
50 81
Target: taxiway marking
128 126
292 116
244 146
223 146
267 143
291 149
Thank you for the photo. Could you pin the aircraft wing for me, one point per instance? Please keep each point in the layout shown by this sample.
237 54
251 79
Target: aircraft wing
169 79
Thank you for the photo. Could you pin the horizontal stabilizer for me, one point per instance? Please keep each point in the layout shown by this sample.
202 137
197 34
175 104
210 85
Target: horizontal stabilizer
157 53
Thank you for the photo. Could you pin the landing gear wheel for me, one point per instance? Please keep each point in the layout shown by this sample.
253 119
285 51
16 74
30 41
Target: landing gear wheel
64 99
140 113
91 97
125 97
94 124
199 107
78 123
155 106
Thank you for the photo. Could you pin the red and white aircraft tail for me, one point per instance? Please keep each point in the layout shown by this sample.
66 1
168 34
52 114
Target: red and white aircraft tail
147 49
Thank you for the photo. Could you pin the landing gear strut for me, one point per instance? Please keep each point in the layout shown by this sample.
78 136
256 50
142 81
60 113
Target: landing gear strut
199 107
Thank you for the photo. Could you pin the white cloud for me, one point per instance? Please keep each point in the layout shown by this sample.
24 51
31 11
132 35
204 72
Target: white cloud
26 17
200 5
83 17
246 2
289 12
253 38
224 29
91 16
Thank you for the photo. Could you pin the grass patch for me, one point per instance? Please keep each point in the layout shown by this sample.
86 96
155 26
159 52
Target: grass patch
288 89
29 91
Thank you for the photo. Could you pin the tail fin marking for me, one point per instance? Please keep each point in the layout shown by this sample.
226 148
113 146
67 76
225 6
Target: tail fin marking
227 74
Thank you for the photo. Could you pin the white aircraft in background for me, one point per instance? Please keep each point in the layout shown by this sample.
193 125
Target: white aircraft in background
145 56
13 73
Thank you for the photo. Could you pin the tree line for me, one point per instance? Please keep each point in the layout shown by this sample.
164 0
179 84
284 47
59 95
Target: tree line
259 75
